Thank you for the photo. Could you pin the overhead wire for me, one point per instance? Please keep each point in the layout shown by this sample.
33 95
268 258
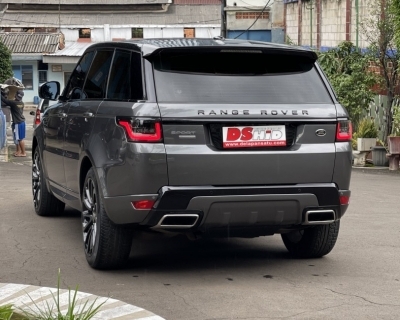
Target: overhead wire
262 11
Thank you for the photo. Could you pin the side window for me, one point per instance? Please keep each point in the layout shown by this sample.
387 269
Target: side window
96 82
136 77
75 84
119 87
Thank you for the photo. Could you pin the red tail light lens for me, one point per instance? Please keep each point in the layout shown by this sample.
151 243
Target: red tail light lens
142 130
344 131
37 117
344 200
143 204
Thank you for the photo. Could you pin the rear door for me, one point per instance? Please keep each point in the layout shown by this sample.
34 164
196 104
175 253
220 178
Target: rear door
244 117
81 117
53 153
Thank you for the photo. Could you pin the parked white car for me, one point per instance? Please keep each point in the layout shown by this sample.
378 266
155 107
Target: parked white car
38 113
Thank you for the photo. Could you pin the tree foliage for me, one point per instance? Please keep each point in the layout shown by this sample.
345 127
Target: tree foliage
379 30
5 63
395 11
348 71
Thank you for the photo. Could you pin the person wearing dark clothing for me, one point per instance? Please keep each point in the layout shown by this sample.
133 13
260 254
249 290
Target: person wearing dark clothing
18 125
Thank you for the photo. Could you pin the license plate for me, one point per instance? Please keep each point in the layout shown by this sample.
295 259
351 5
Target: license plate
254 136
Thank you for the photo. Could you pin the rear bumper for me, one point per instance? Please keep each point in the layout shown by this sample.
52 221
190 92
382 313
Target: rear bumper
207 208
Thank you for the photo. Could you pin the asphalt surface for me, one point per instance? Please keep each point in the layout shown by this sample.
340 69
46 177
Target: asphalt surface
219 279
21 293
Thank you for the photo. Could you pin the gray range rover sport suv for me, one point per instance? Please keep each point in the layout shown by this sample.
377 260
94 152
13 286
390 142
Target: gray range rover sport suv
202 137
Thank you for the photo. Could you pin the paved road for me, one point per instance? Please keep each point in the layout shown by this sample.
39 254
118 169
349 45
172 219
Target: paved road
218 279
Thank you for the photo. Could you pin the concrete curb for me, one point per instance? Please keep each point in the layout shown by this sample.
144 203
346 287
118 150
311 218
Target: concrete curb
27 297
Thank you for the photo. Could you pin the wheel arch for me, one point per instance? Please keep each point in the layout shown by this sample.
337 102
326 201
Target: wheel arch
86 164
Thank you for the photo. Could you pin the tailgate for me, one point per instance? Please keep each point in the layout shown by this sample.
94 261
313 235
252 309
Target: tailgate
196 153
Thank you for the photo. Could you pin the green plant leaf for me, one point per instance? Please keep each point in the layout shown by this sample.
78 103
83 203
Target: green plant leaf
85 312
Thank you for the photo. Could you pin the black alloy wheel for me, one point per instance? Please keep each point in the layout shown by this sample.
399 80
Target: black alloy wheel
107 245
44 202
36 180
89 216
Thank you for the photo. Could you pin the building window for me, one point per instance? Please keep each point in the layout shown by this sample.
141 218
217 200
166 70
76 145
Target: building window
84 33
137 33
188 32
25 74
42 76
252 15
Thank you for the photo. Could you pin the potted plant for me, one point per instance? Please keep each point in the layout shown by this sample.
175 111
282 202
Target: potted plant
363 141
366 135
394 137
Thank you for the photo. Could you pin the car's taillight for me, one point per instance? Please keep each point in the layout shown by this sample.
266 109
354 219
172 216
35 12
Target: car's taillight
37 117
143 204
344 200
344 131
142 130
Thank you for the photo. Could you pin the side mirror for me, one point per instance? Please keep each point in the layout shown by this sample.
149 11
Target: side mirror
50 90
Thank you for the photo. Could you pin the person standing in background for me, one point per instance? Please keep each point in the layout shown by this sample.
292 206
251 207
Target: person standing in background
18 120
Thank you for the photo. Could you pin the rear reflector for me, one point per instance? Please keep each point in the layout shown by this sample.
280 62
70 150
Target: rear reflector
344 200
143 204
142 130
344 131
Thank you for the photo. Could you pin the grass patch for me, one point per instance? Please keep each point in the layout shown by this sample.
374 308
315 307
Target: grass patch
6 312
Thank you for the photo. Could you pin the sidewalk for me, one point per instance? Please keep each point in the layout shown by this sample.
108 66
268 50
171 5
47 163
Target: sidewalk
28 297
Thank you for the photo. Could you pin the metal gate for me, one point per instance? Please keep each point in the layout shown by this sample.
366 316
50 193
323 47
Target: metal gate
259 35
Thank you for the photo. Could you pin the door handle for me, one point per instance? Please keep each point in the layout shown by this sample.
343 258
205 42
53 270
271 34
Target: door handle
62 115
88 115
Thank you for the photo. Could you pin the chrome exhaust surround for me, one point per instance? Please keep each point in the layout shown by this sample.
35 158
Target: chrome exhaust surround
319 217
177 221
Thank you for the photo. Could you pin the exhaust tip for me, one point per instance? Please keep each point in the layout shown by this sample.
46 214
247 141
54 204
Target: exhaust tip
319 217
177 221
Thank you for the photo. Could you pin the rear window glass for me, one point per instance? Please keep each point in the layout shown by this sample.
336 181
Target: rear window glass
229 76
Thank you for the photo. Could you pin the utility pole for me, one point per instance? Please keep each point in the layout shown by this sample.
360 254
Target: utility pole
223 19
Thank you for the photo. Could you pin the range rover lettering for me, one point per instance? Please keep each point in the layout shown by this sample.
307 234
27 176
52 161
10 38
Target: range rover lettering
201 137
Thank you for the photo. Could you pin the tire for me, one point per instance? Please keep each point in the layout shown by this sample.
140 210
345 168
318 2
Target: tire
313 242
106 245
44 202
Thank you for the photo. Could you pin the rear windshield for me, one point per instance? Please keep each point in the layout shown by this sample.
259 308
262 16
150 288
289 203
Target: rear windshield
232 76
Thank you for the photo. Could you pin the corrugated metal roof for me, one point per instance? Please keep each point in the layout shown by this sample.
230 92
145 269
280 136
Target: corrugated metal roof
74 49
176 14
30 42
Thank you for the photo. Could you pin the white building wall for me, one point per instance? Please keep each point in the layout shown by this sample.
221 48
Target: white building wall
208 32
172 32
309 25
121 33
243 24
333 22
248 3
117 32
97 35
70 35
59 76
151 33
292 20
365 11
